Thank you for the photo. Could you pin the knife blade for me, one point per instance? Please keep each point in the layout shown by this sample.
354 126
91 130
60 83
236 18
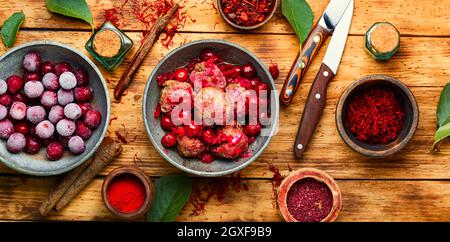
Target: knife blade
325 26
317 95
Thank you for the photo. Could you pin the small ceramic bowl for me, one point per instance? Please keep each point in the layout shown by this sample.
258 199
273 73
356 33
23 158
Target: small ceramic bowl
148 186
301 174
38 165
407 101
237 26
231 53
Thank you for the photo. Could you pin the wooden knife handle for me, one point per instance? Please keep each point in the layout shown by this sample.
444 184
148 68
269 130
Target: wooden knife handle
309 50
313 109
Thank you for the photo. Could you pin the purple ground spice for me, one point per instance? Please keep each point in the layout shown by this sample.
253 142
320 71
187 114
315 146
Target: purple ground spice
309 200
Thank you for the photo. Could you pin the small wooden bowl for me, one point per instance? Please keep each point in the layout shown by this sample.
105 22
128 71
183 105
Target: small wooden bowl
407 101
148 186
237 26
318 175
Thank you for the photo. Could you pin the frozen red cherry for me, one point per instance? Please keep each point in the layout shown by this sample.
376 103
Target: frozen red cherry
82 77
3 112
3 87
16 143
6 128
67 80
65 127
169 140
32 76
33 89
22 127
47 67
15 83
5 99
181 74
62 67
45 129
32 145
64 97
50 81
82 94
82 130
49 99
19 97
85 107
36 114
76 145
55 151
252 130
92 118
72 111
55 114
248 71
166 123
262 87
18 110
32 61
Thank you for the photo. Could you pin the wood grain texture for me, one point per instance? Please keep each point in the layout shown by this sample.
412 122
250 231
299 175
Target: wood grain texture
363 200
416 18
425 75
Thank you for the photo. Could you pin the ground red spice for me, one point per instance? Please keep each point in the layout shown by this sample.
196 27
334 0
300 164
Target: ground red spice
247 12
309 200
375 116
203 192
126 193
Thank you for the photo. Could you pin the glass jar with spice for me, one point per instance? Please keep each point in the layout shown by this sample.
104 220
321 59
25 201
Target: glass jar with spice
109 45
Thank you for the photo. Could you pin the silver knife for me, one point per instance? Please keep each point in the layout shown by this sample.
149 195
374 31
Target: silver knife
326 25
316 99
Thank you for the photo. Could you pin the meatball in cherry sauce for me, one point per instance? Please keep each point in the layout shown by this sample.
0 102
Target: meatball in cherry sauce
48 107
222 118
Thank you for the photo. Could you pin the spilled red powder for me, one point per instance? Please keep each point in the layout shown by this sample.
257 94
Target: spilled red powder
126 193
309 200
203 192
375 116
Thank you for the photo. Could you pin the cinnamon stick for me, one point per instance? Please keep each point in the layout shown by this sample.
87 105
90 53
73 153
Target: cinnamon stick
147 44
107 151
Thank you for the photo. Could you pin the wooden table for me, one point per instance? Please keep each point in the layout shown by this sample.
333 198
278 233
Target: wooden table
413 185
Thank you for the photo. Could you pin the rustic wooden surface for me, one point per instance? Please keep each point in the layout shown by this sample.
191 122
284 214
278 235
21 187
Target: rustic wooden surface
411 186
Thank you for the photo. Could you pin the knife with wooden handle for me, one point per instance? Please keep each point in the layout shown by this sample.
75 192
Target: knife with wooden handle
317 95
326 25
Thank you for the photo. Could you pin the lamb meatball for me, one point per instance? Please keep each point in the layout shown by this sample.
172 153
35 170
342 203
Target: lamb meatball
190 147
174 93
237 95
236 144
207 74
214 107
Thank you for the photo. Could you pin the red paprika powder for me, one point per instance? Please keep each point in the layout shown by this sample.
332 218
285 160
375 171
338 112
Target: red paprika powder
126 193
375 116
309 200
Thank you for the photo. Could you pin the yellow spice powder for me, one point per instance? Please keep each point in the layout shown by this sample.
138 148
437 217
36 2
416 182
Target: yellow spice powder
384 38
107 43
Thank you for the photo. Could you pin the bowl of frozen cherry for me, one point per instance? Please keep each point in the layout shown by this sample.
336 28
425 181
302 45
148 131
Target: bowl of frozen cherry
54 108
210 107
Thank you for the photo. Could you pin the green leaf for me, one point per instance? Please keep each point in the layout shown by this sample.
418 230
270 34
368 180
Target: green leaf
300 16
71 8
443 109
10 28
171 194
441 134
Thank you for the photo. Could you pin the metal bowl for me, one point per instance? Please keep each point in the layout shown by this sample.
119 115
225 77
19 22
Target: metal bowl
38 165
230 53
